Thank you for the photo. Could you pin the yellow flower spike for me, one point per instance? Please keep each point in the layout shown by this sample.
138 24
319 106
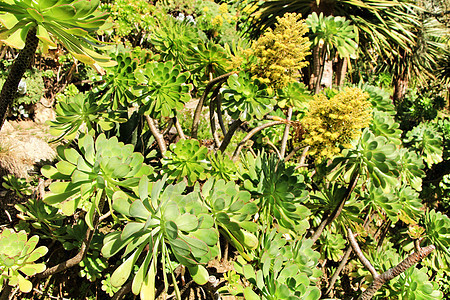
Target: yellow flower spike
334 123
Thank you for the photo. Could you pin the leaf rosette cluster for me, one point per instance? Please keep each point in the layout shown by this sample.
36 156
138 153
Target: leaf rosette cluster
17 258
161 221
162 89
56 21
97 170
246 99
186 159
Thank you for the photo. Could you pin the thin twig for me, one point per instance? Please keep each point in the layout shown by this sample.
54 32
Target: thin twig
285 134
345 259
83 249
125 289
249 136
304 153
274 148
338 270
157 135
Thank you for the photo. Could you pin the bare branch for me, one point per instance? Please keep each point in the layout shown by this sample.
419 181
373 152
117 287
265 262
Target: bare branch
286 134
227 139
198 109
328 219
361 256
158 136
249 136
395 271
179 129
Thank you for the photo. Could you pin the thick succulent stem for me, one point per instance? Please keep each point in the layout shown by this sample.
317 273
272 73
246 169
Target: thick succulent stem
198 109
157 135
379 280
249 136
328 219
322 68
83 249
179 129
227 138
6 292
286 133
18 68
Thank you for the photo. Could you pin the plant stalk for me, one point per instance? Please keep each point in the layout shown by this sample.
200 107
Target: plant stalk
249 136
286 133
231 130
328 219
18 68
395 271
158 136
322 68
198 109
83 250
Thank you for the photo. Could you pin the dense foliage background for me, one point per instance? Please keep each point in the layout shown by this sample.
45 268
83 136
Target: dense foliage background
230 149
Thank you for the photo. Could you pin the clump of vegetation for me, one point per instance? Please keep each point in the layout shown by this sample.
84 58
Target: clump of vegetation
281 52
332 123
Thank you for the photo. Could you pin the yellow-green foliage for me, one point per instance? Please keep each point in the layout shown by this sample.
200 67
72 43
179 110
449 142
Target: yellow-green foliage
335 122
281 52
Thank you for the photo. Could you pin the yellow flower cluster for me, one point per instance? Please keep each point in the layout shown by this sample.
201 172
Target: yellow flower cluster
223 8
217 21
281 52
335 122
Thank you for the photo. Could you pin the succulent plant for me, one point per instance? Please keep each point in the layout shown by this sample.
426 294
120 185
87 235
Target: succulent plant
81 114
42 217
383 203
92 266
415 284
411 210
173 39
282 269
57 21
187 159
17 258
207 59
246 99
374 157
412 168
162 89
379 98
222 167
19 185
93 173
294 95
337 33
437 227
278 191
332 245
162 220
231 209
425 139
383 124
119 80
